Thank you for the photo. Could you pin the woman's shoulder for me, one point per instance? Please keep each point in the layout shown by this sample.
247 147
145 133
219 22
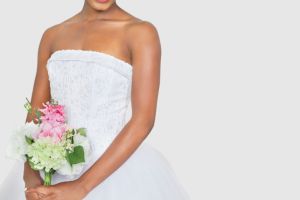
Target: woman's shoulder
142 31
53 31
58 26
139 25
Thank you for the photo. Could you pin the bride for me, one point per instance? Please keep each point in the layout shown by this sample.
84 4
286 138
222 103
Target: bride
99 63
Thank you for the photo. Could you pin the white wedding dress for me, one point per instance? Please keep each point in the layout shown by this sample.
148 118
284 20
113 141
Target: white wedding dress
95 88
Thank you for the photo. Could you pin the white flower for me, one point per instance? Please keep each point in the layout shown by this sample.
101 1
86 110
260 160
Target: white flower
18 147
45 154
31 129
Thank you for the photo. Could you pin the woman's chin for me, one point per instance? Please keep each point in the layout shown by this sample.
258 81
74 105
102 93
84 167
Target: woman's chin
102 1
101 5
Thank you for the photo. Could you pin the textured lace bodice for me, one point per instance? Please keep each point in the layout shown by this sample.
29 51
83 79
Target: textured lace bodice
95 88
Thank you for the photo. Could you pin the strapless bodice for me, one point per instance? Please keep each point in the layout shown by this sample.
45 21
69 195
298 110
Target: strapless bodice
95 88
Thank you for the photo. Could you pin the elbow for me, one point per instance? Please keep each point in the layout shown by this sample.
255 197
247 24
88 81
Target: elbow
144 124
151 125
148 125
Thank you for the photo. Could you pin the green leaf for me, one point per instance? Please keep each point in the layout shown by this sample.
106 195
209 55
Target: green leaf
81 131
77 156
29 140
53 101
27 106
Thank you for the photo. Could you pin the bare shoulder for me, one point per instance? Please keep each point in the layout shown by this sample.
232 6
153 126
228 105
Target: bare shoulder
142 29
49 35
53 31
50 31
56 27
142 34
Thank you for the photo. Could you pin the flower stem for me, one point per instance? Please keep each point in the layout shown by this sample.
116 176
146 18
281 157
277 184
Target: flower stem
48 177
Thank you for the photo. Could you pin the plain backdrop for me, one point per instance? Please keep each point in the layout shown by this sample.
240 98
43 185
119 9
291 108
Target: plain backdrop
229 105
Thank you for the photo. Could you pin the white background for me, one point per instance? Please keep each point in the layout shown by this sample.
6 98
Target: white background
229 106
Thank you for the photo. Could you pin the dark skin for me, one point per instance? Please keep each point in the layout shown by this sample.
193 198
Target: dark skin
106 28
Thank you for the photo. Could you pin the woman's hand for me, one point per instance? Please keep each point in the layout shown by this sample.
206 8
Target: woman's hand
33 196
72 190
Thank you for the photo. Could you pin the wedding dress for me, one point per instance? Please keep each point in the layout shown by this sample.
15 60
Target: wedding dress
95 88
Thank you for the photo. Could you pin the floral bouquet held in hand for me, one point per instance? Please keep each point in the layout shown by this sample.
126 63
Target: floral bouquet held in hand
49 144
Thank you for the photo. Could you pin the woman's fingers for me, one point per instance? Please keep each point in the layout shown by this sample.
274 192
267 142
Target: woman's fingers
32 196
41 189
49 197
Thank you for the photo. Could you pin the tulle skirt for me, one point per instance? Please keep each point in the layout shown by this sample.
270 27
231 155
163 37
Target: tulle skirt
146 175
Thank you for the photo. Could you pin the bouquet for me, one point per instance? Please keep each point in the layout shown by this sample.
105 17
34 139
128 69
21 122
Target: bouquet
50 144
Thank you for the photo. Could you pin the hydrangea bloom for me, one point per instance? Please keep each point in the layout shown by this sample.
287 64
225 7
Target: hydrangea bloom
45 154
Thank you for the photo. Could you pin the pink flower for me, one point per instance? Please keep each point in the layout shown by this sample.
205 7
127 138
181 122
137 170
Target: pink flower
53 121
54 131
53 113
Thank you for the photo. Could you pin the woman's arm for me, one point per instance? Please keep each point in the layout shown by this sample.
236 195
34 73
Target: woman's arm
40 94
145 47
144 44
